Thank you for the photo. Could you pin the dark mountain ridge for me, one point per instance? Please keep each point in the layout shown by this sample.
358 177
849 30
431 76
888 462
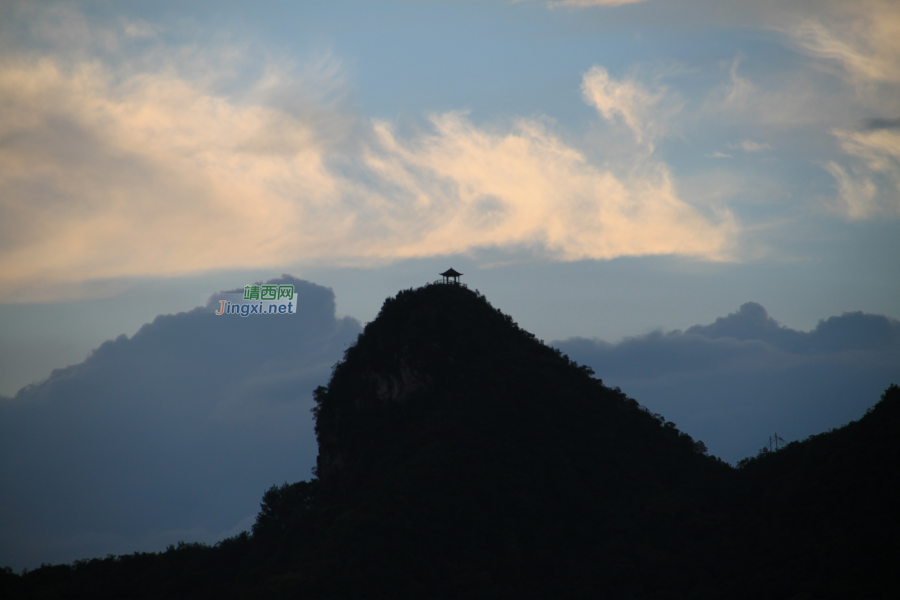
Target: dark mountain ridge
495 454
461 457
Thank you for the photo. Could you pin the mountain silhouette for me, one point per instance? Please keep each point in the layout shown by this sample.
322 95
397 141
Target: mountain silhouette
460 457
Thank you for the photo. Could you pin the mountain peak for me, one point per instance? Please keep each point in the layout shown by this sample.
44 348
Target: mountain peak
426 345
441 373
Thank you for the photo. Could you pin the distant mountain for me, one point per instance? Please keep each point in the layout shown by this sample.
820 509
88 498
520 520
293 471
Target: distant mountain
459 457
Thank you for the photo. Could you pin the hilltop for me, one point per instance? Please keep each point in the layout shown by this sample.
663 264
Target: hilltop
467 453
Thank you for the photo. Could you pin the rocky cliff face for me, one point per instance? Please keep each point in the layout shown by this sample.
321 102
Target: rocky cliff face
390 387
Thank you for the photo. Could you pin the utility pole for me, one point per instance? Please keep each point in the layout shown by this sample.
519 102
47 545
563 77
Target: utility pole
774 440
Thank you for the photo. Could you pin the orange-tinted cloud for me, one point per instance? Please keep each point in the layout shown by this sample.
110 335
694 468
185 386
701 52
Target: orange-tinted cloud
152 174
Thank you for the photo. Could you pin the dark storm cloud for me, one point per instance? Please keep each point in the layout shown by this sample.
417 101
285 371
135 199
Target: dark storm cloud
736 381
880 123
172 434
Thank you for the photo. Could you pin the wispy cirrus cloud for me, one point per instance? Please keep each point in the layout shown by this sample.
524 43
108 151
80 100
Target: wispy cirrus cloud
645 112
862 39
851 69
788 104
870 184
865 160
862 42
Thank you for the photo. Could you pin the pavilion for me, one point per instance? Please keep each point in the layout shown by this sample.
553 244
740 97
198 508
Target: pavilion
451 276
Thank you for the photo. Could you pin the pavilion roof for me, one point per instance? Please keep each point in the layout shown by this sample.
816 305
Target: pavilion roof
451 273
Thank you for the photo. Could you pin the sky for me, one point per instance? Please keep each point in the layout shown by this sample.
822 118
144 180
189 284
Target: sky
700 199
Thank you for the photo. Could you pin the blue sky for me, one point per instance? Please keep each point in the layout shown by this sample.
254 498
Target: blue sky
602 170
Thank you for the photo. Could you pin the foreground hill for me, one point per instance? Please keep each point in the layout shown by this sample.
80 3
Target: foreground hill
458 453
819 518
461 457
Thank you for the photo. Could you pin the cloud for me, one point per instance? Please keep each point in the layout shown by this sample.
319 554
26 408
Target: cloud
796 103
866 170
148 176
718 154
139 29
146 167
852 68
644 112
589 3
735 381
863 39
171 434
870 186
862 44
749 146
880 123
468 187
